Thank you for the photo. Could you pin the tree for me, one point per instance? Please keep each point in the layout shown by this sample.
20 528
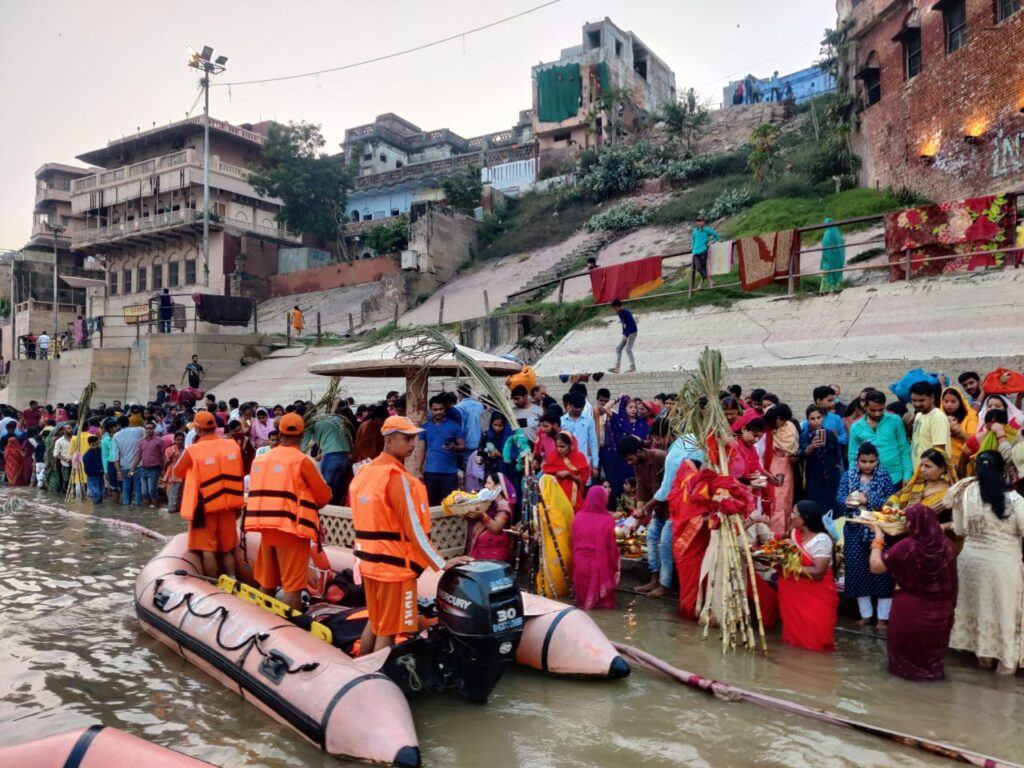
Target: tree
390 236
612 103
687 118
463 193
763 151
313 186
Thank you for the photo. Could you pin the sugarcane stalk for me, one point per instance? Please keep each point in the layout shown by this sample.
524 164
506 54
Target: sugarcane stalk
753 592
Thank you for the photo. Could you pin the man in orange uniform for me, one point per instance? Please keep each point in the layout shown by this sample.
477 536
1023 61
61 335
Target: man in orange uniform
286 493
212 496
392 519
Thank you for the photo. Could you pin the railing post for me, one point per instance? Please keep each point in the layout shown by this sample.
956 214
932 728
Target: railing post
440 313
319 335
790 278
137 333
288 329
396 314
351 325
255 316
487 303
906 264
561 289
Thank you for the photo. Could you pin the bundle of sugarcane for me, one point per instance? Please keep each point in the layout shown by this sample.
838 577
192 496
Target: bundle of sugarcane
698 411
325 405
77 483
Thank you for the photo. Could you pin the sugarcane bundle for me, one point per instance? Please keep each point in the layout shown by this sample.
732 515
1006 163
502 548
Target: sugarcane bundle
325 405
729 563
77 472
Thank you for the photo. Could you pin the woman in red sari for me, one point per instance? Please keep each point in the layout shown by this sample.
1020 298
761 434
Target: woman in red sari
485 537
595 553
808 599
569 467
924 567
14 461
690 538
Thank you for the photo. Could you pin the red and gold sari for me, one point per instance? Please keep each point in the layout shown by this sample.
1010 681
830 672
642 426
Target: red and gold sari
576 464
808 606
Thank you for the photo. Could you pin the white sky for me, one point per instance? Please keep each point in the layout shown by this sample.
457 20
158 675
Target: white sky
76 74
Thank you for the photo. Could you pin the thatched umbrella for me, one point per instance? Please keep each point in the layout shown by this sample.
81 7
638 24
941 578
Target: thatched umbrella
416 357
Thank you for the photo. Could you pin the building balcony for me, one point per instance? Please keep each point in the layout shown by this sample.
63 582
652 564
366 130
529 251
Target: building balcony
179 170
167 227
53 194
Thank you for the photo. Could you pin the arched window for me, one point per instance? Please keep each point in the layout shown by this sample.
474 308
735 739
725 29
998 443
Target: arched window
240 216
871 75
909 37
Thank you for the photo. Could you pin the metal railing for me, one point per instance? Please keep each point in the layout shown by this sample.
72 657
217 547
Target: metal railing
170 220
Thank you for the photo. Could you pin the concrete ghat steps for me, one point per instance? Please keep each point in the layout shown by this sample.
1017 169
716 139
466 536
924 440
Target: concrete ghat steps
588 248
862 336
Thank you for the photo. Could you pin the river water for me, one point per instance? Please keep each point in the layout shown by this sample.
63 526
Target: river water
73 654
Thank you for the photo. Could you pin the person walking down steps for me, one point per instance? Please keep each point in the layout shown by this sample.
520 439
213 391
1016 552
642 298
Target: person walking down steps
628 337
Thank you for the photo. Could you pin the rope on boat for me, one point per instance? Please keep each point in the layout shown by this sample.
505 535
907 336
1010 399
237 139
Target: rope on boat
17 504
727 692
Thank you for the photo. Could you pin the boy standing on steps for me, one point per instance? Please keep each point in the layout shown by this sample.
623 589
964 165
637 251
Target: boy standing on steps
628 336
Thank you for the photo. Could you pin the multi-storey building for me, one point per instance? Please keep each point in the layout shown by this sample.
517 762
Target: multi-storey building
400 164
143 214
941 86
569 113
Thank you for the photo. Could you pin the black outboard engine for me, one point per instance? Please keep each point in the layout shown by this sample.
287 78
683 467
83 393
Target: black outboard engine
480 620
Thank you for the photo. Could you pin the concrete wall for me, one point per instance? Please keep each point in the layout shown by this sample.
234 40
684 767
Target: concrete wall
447 241
333 276
131 373
976 90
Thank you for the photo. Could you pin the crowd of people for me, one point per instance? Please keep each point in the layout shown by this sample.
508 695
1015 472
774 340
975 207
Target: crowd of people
950 457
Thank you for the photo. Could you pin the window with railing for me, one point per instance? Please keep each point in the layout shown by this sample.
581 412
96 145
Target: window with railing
190 271
113 283
954 18
140 279
158 276
127 280
1006 8
173 274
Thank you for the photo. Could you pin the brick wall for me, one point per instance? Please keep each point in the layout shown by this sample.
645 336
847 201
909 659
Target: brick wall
977 90
334 276
793 384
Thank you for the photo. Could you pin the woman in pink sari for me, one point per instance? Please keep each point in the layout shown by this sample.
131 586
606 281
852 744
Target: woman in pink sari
485 536
785 446
14 460
595 553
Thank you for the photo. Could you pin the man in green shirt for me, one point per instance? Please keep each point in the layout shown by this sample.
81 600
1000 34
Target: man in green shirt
109 453
331 434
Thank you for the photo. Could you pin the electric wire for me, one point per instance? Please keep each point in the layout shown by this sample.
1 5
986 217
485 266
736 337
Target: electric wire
392 55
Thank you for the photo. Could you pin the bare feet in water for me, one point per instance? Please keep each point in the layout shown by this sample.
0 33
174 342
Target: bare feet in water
658 591
645 588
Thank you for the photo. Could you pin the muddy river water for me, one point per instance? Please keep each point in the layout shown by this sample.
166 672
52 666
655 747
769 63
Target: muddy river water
72 654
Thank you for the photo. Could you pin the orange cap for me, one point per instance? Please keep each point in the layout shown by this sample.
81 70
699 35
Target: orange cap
401 424
204 420
291 424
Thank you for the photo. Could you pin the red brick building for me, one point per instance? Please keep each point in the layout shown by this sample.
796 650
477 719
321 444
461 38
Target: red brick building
942 91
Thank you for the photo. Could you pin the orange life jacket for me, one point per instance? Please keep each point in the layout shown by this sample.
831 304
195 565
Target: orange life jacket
216 475
279 499
381 545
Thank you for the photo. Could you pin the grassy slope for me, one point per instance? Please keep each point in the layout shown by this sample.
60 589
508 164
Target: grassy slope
532 222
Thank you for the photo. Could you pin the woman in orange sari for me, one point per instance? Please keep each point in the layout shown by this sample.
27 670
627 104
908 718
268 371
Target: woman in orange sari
963 421
785 447
569 467
808 598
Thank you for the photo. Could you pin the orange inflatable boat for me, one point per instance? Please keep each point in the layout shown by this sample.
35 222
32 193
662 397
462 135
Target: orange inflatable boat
94 747
282 669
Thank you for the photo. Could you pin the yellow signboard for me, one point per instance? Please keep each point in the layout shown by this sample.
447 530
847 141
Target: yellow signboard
138 313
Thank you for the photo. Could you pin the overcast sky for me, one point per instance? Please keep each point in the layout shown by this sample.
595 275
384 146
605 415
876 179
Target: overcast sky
76 74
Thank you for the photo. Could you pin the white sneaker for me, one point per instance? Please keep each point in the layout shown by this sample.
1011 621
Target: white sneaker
613 369
632 369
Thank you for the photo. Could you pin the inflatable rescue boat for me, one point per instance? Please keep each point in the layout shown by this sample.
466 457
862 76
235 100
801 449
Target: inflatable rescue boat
298 672
94 747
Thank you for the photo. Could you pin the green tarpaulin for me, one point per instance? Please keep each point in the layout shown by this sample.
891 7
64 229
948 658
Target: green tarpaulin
602 76
558 93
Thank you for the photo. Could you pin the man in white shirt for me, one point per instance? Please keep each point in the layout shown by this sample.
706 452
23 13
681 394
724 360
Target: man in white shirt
62 452
43 343
527 414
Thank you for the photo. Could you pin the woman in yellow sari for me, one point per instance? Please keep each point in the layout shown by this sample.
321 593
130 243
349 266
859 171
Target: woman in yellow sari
963 421
927 486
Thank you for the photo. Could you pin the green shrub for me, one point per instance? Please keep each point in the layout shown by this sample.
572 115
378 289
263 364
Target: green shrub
620 169
686 205
729 202
389 237
624 216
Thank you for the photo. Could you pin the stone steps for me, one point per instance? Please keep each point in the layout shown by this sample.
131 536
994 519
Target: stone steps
536 288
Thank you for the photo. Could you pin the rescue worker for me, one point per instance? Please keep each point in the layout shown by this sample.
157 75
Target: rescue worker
286 493
392 522
212 495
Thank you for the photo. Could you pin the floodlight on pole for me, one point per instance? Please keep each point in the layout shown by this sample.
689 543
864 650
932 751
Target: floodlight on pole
201 61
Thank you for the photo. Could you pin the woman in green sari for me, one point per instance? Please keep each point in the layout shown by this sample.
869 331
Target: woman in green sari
833 256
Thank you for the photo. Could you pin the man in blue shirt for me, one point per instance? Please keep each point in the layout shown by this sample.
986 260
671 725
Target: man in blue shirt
582 426
471 410
700 240
628 336
444 443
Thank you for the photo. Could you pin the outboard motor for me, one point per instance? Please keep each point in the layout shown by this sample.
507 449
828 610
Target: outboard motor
480 621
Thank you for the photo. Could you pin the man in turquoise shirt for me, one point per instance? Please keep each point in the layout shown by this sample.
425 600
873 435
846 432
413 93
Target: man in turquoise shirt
887 433
700 240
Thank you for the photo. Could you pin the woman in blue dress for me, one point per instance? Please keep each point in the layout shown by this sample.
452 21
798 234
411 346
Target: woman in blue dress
823 460
865 487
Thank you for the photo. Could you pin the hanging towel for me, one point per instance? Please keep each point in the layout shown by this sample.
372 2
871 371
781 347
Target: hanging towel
765 258
720 257
626 281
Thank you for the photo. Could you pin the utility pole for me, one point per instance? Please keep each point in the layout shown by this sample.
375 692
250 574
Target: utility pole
201 61
56 229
